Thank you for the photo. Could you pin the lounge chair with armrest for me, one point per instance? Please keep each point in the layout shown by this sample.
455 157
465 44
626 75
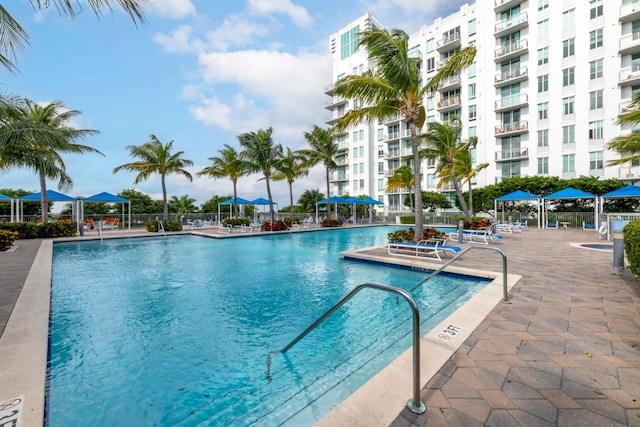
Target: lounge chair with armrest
422 248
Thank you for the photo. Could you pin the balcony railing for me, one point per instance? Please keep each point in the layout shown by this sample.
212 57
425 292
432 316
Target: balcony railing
625 106
629 12
450 41
630 75
629 172
512 22
506 128
630 43
510 49
511 101
512 155
452 101
512 74
452 81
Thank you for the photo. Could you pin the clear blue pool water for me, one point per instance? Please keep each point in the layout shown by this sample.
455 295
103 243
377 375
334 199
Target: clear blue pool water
175 331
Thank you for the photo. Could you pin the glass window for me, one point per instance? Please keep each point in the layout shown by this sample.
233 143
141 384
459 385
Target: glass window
543 4
355 185
472 112
380 150
543 29
472 91
381 185
380 168
543 83
361 167
595 69
569 134
361 184
569 19
472 70
595 99
361 135
355 152
473 131
349 42
595 160
596 131
361 150
543 111
355 169
543 138
568 105
355 136
543 56
431 64
569 163
595 38
431 180
380 134
568 48
568 76
472 27
543 166
596 8
431 43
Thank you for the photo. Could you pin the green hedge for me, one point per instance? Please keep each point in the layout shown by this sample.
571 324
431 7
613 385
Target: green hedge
31 230
152 225
407 219
632 246
235 222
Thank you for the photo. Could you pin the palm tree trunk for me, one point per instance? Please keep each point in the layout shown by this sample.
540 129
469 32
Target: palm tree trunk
470 199
328 195
417 184
165 204
463 203
291 198
266 177
234 207
44 203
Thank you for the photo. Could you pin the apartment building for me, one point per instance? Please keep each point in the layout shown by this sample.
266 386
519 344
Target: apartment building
549 82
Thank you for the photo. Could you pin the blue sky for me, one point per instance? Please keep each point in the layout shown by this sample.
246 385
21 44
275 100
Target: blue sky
198 72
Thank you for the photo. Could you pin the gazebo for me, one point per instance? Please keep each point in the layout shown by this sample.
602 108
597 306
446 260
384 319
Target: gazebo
5 198
52 196
565 194
232 201
517 196
105 198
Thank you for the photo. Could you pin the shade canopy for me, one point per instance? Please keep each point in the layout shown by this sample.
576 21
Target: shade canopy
238 201
337 199
52 196
369 201
570 193
517 195
620 193
261 201
5 197
105 198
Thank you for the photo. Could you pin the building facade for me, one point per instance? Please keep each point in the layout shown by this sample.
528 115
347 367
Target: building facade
549 82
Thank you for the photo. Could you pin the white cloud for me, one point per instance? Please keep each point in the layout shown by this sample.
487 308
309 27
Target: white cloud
172 8
236 30
298 14
178 41
239 116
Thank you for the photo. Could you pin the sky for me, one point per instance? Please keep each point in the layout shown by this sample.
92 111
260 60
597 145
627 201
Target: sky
198 73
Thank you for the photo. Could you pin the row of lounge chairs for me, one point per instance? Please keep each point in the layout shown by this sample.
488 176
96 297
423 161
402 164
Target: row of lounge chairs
434 247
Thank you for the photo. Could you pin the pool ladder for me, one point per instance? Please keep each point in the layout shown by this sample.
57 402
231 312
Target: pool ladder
414 404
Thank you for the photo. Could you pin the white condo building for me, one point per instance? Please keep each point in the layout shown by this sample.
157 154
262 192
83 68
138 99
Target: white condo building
550 80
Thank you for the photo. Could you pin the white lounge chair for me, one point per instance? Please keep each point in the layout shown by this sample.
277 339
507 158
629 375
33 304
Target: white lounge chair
225 228
422 248
483 235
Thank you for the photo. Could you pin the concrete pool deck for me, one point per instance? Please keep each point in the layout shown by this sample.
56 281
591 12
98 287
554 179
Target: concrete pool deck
566 351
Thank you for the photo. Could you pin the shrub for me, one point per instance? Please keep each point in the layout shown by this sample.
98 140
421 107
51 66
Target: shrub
152 225
235 222
7 238
328 222
477 223
407 220
31 230
407 235
278 225
632 246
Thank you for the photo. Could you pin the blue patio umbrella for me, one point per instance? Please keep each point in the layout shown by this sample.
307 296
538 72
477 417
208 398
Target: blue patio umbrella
105 197
5 198
52 196
516 196
567 194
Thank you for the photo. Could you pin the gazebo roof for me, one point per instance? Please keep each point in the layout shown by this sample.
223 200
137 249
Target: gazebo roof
570 193
52 196
105 198
626 191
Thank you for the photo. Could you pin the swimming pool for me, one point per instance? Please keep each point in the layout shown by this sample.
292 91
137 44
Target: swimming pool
175 331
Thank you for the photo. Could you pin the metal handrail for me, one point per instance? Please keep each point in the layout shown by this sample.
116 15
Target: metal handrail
414 404
505 298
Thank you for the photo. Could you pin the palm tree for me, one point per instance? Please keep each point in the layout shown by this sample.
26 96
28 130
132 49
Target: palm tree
394 88
290 167
442 143
323 150
262 155
228 165
34 137
402 178
183 204
156 157
13 38
308 200
627 145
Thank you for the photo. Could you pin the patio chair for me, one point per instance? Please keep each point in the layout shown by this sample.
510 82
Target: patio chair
588 226
552 224
423 248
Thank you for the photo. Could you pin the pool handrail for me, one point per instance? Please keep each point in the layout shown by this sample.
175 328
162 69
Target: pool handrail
414 404
505 298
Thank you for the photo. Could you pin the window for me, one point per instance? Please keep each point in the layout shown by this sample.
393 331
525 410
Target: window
361 184
361 137
355 169
431 64
472 112
431 103
543 166
361 149
569 134
349 42
355 138
595 161
431 45
361 167
596 8
568 76
543 83
569 163
543 138
381 185
543 111
355 152
595 99
569 19
472 70
380 134
543 56
568 105
431 180
472 91
568 48
355 185
595 38
473 132
596 131
472 27
543 29
380 150
595 69
543 4
380 168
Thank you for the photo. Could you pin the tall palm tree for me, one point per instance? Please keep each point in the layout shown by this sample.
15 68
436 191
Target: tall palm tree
308 200
262 155
156 158
183 204
442 143
35 137
13 38
323 150
228 165
395 87
627 145
402 178
291 167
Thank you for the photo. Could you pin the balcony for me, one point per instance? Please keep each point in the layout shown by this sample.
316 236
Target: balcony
451 83
337 177
393 136
502 5
511 51
514 75
629 13
507 156
512 102
449 43
391 154
625 106
629 173
511 25
511 128
499 179
335 102
392 119
343 146
449 104
337 115
630 76
630 43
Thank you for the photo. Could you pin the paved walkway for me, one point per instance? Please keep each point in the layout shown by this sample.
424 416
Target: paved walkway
565 352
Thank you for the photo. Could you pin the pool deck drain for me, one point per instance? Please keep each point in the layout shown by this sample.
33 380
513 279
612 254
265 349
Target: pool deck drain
566 351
